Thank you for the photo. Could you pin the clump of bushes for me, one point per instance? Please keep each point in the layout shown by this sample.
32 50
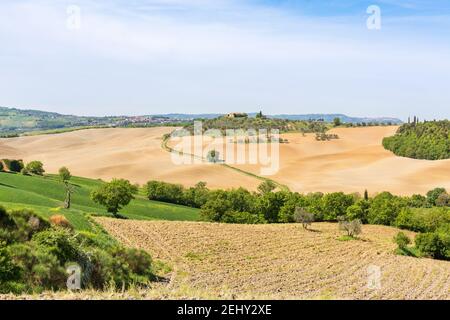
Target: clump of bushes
12 165
34 255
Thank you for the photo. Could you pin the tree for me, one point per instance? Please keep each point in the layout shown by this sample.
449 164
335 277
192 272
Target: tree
443 200
1 166
335 204
359 210
434 194
266 187
65 175
114 195
213 156
35 167
337 122
353 227
304 217
384 209
366 195
259 115
431 245
402 241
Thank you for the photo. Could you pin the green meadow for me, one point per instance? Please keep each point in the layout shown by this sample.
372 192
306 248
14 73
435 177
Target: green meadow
45 195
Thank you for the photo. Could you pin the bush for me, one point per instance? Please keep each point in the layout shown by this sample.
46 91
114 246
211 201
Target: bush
335 205
1 166
353 228
434 194
114 195
13 165
384 209
242 218
304 217
165 192
35 167
431 245
35 258
402 240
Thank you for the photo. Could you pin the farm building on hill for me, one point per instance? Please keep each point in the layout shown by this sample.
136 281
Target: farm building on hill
237 115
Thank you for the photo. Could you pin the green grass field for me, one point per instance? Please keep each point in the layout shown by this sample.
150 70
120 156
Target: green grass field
45 195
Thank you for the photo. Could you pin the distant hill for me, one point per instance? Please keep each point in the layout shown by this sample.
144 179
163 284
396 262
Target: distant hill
305 117
16 121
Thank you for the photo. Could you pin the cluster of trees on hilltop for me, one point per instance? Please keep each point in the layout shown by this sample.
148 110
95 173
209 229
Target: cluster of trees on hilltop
244 123
426 140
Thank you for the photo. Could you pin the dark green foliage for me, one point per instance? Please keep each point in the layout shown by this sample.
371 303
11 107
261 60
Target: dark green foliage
434 194
266 187
114 195
1 166
358 210
13 165
34 257
35 167
428 140
432 245
166 192
335 205
337 122
384 209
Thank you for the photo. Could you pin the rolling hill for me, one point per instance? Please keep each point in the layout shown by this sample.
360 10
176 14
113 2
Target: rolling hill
45 195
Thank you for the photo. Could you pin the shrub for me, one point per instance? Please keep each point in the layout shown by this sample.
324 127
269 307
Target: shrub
402 240
335 204
35 167
384 209
13 165
304 217
434 194
165 192
114 195
431 245
359 210
64 174
266 187
353 228
242 218
1 166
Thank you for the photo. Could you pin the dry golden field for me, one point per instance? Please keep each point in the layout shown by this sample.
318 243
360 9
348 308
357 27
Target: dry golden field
353 163
280 261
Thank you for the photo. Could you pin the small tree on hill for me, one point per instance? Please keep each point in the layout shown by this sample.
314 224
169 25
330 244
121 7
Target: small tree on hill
65 175
402 241
35 167
353 228
114 195
304 217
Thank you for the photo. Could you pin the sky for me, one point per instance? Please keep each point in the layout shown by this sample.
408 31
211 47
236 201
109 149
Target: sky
130 57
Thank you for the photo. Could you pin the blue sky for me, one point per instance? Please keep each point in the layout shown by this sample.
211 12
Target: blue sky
207 56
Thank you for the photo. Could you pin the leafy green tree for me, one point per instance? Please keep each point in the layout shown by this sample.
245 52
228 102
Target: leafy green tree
431 245
114 195
359 210
434 194
335 204
64 174
384 209
35 167
402 240
269 205
266 187
443 200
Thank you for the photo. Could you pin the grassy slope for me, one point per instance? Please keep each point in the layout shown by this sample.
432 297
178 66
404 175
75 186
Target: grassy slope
46 194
